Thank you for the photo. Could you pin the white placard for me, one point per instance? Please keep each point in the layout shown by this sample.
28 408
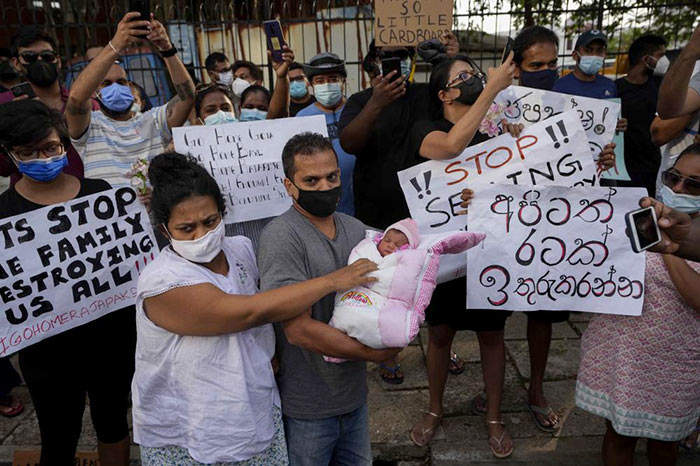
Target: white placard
555 248
245 158
67 264
529 106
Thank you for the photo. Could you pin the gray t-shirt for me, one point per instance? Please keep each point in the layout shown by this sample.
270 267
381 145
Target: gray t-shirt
695 83
292 250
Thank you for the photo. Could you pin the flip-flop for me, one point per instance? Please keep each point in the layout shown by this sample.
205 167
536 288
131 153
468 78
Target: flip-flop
499 441
455 368
546 412
12 409
474 405
395 380
429 432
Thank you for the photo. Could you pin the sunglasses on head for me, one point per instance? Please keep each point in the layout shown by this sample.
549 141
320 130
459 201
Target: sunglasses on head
401 54
48 56
671 178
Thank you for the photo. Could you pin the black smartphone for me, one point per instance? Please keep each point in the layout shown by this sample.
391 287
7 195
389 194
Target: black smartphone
143 7
391 64
507 49
275 38
23 89
643 228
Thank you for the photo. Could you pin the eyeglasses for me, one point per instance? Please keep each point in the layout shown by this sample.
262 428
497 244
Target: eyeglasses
401 54
671 178
51 149
48 56
463 77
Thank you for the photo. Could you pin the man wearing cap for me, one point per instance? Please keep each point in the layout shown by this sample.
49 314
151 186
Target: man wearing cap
326 72
585 81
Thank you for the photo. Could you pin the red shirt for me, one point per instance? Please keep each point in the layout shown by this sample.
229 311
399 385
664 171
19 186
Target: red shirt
75 164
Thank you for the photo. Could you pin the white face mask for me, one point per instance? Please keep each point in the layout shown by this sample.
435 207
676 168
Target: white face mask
239 85
662 66
226 78
203 249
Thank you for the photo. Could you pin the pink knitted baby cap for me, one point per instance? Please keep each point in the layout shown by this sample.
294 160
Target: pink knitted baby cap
409 228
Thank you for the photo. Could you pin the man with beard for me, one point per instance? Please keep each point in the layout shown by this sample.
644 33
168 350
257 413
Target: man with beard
34 56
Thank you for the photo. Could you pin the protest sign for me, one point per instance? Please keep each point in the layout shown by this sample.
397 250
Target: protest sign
67 264
554 248
410 22
619 170
529 106
245 158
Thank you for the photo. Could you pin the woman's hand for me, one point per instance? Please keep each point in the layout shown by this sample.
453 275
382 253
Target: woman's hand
353 275
502 77
514 129
606 159
467 195
145 198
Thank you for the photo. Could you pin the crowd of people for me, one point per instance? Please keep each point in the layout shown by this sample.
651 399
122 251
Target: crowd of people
223 357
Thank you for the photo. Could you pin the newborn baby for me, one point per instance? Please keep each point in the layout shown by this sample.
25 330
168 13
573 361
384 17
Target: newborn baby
388 312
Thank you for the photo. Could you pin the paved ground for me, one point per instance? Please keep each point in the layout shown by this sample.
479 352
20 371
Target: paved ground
462 437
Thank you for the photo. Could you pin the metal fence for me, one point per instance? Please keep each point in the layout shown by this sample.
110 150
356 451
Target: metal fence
345 27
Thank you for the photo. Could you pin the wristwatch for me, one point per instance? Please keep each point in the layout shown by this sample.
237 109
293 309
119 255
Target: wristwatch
169 53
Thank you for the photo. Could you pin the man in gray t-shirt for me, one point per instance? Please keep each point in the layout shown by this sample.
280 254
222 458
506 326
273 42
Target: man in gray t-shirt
324 404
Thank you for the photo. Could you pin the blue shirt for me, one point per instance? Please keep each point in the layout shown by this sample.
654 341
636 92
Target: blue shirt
345 161
601 88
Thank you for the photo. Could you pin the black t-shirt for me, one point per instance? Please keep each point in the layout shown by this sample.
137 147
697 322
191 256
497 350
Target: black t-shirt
379 201
294 107
13 203
642 157
423 128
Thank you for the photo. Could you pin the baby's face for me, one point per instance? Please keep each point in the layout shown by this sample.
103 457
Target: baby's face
392 241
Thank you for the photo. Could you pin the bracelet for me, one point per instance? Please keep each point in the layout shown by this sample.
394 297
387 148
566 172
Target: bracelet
169 53
113 48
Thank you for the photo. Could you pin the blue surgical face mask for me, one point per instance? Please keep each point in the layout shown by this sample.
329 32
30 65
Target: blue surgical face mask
542 79
220 118
43 170
328 94
117 98
252 114
680 202
298 89
406 67
590 64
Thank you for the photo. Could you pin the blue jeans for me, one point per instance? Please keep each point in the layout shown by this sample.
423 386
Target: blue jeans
338 440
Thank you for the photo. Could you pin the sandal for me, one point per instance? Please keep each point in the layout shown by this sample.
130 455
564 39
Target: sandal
692 441
425 434
547 413
476 403
499 442
10 406
396 377
456 366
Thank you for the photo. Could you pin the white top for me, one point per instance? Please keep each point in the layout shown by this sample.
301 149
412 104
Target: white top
212 395
109 147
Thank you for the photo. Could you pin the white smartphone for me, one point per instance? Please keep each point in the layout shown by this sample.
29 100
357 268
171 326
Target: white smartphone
643 228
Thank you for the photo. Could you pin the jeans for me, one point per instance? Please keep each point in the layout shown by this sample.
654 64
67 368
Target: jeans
338 440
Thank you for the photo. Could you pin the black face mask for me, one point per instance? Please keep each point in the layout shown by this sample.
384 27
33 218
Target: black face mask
7 72
470 90
319 203
41 73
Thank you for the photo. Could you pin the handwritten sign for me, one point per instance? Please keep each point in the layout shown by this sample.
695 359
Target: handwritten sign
410 22
245 158
555 248
64 265
529 106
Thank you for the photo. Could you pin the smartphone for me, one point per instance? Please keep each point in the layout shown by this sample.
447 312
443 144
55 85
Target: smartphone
391 64
507 49
23 89
143 7
643 228
275 38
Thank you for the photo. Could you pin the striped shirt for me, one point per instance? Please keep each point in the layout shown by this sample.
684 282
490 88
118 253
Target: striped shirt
109 147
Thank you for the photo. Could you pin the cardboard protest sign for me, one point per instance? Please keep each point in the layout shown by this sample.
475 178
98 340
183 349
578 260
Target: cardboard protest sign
410 22
245 158
529 106
67 264
555 248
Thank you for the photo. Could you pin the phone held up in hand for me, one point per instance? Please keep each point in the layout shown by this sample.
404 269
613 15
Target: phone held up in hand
144 8
275 39
507 49
23 89
391 64
643 228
